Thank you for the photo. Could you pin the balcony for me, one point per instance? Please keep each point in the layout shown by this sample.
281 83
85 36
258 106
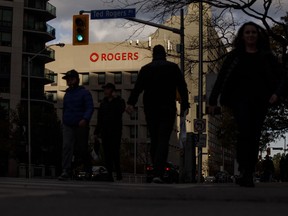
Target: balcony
46 56
41 8
47 32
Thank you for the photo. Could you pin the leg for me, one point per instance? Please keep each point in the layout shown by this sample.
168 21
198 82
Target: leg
68 147
166 124
116 156
67 154
152 125
83 152
108 155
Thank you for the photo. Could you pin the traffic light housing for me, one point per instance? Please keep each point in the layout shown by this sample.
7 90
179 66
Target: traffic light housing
81 29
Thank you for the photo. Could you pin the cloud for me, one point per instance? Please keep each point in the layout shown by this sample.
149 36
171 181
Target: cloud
100 30
119 29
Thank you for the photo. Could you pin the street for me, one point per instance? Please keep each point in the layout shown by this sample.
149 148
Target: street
51 197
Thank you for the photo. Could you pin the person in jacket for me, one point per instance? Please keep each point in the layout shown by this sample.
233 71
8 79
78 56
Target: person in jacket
159 80
77 111
250 80
109 128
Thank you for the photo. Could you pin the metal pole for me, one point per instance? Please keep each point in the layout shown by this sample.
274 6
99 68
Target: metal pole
135 142
200 85
285 145
182 44
29 117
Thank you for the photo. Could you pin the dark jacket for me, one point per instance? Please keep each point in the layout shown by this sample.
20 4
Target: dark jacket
110 116
159 80
273 73
77 105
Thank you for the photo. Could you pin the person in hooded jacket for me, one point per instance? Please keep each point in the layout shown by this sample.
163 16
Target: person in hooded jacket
249 82
159 80
77 112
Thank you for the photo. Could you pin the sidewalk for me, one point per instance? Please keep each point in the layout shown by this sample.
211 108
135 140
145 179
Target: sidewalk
51 197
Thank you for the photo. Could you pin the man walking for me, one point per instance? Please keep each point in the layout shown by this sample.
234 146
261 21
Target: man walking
109 128
77 111
159 80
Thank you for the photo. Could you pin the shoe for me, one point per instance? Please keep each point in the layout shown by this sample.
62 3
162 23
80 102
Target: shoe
157 180
64 177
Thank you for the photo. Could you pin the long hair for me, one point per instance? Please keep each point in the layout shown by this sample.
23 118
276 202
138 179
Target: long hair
263 42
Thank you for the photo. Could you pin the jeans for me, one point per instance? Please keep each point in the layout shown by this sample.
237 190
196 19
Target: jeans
75 143
249 118
160 124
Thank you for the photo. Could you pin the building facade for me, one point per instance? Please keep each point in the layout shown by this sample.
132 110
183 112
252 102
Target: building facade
23 33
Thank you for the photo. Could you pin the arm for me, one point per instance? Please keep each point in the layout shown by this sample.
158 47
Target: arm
182 89
99 121
89 106
138 88
217 88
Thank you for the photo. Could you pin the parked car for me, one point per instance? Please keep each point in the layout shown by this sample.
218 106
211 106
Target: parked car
99 173
210 179
171 173
223 177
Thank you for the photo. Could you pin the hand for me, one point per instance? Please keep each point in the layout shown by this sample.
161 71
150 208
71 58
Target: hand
83 123
129 109
273 99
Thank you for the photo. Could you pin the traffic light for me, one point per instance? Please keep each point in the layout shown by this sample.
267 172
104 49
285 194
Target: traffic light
81 29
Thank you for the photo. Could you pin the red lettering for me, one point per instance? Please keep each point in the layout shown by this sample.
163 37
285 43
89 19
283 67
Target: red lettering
117 56
130 56
103 57
94 57
124 56
110 56
136 56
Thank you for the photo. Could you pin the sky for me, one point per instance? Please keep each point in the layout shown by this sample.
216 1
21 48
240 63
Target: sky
114 29
100 30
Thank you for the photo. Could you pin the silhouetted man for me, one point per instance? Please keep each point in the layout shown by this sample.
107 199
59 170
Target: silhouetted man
77 111
109 128
159 80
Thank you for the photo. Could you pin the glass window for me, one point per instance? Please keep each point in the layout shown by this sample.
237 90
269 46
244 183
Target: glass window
52 96
118 78
134 76
134 131
85 79
5 67
4 109
100 96
6 17
101 78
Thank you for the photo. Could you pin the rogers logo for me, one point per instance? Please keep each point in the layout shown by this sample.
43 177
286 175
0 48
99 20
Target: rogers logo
124 56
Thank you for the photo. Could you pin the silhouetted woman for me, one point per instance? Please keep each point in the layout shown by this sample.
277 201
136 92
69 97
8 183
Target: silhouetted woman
249 81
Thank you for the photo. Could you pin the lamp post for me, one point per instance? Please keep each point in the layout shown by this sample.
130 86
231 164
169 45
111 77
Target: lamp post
29 101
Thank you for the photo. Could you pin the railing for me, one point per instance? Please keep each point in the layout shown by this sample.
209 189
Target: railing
41 27
49 75
37 5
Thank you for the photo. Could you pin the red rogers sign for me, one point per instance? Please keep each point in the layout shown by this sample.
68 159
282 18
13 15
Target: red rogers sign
119 56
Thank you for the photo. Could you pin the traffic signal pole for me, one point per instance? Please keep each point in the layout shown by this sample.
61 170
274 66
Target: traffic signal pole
200 86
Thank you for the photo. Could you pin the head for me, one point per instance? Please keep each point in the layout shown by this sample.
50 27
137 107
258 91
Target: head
159 53
72 78
109 89
251 34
